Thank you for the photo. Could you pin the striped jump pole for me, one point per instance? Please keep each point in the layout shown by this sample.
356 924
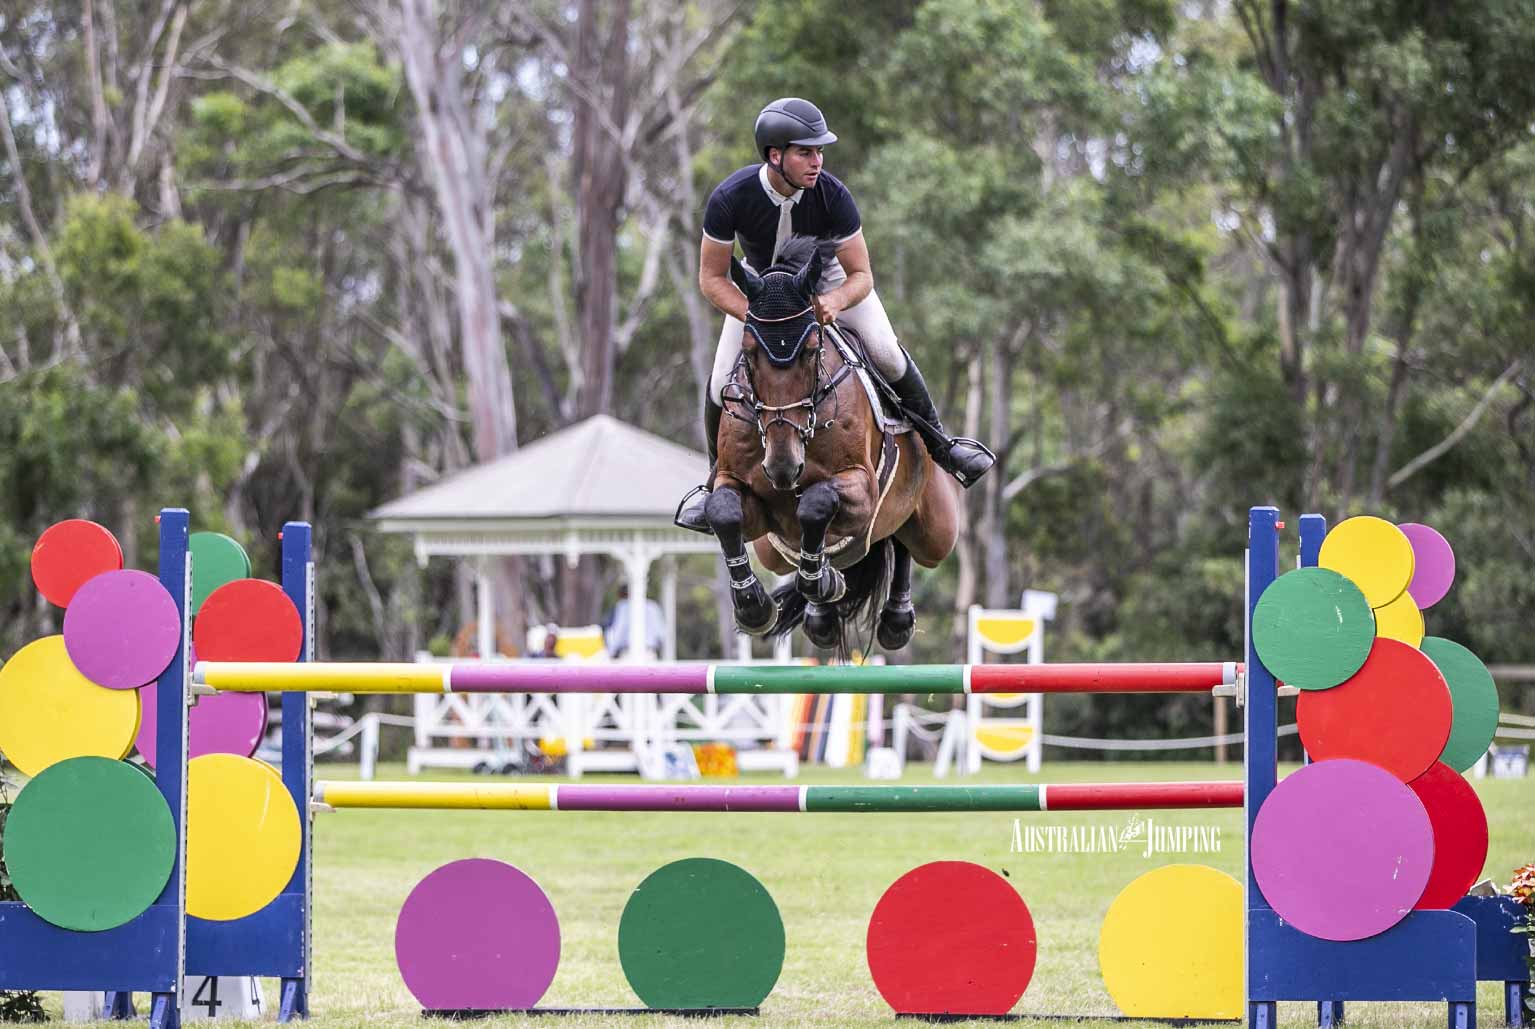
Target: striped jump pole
724 679
844 799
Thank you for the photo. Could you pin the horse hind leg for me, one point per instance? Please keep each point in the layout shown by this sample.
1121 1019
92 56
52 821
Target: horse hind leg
755 610
898 618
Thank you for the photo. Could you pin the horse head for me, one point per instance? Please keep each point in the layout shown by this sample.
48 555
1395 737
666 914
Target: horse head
783 356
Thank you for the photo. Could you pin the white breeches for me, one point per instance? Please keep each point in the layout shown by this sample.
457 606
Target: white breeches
867 318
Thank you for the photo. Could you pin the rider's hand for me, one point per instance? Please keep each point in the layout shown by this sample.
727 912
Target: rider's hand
827 307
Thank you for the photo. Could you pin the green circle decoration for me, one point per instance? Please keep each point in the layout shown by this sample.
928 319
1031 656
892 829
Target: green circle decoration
216 560
89 843
1313 628
701 933
1475 697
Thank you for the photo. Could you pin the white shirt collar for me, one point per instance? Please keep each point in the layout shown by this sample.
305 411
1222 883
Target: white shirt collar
778 198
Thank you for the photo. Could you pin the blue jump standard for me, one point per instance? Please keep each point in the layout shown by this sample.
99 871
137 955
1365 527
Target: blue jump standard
1428 956
153 952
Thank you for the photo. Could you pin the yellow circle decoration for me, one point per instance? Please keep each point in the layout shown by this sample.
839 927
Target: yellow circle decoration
1171 945
1374 553
1004 634
1400 620
1004 739
243 836
49 711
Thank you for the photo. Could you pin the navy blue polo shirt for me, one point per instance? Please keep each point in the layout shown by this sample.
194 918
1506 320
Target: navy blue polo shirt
740 208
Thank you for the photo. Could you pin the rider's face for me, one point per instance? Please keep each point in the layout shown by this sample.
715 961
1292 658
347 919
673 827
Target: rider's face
802 165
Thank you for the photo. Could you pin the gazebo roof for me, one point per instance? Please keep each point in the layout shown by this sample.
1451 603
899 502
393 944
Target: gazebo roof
569 492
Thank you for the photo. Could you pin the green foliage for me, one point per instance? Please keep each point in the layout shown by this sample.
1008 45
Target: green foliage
345 88
72 449
149 303
832 54
1251 447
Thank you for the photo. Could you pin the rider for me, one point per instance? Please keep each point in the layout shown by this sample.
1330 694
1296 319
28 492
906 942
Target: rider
762 206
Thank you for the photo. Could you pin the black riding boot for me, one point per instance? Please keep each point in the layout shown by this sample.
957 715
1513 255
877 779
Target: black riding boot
965 459
690 513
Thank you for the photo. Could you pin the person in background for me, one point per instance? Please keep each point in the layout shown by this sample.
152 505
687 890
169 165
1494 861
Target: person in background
615 628
550 649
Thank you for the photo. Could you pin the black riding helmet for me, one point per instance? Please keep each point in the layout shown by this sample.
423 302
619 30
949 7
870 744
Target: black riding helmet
790 121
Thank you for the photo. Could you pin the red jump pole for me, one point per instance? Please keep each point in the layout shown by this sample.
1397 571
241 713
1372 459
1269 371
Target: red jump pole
1186 677
1140 795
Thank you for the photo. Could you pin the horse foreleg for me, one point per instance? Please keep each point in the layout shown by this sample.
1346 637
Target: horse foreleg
820 584
897 619
754 609
816 578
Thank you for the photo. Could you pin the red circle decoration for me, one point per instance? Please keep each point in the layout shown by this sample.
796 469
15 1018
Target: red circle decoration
951 937
248 620
68 554
1460 834
1395 712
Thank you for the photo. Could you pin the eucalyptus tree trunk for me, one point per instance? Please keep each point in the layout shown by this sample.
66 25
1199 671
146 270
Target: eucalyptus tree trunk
967 548
993 527
454 150
455 118
597 175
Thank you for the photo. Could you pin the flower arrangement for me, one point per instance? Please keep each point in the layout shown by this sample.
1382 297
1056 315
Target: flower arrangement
716 760
1523 889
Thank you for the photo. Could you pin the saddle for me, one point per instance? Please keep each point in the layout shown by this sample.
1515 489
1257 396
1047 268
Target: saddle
892 417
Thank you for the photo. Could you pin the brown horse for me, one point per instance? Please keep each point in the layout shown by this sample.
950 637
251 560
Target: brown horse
800 455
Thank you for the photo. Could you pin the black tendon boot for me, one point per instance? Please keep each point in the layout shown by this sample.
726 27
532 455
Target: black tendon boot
965 459
690 513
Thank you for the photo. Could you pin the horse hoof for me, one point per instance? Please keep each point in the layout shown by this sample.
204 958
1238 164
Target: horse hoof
755 630
895 627
822 627
755 610
828 589
749 625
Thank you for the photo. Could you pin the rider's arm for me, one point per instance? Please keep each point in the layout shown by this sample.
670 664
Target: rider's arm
714 279
854 256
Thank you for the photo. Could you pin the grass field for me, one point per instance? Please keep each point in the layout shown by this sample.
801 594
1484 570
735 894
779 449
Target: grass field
825 871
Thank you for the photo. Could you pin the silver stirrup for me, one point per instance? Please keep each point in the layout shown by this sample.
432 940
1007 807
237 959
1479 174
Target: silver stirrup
702 524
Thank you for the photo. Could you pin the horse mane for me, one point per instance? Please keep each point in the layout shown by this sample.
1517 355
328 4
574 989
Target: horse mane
796 251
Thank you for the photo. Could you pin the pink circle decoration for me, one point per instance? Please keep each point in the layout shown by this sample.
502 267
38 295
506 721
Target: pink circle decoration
477 935
228 723
1342 850
122 629
1433 564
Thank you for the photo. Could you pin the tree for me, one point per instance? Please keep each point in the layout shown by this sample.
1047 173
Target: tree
1374 96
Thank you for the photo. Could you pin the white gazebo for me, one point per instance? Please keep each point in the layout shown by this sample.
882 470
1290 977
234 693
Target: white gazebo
600 486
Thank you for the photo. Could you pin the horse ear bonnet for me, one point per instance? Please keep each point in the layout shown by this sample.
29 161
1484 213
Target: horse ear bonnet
771 318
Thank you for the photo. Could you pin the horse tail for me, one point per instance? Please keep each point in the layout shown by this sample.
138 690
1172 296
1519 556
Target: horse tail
868 583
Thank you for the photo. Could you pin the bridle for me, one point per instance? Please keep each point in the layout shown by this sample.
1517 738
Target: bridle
821 386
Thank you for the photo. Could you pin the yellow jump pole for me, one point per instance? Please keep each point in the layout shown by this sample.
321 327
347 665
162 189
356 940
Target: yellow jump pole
310 677
436 796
